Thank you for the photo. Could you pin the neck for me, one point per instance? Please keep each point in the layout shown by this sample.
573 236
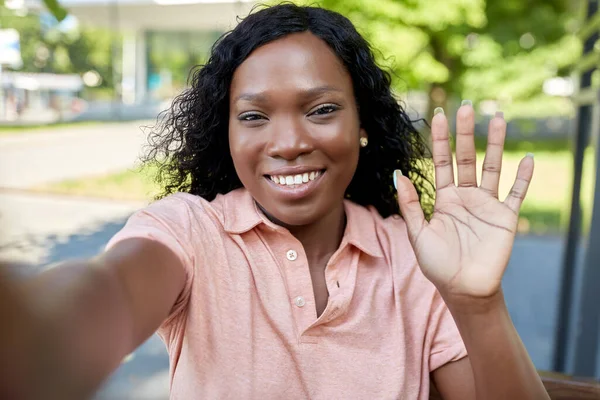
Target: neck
323 237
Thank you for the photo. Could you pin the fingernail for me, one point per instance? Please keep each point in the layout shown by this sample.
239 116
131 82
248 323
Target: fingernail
396 174
499 114
466 103
529 155
438 110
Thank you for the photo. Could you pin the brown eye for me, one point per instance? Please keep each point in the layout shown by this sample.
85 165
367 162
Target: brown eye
250 117
325 109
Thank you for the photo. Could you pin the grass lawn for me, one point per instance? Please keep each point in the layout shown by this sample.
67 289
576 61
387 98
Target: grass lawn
125 185
547 205
20 129
546 208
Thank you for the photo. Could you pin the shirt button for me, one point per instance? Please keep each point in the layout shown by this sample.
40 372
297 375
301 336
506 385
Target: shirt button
291 255
300 301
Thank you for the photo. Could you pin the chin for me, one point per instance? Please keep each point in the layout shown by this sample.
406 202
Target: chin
291 216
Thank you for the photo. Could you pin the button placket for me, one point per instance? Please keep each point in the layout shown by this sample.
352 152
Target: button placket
292 255
300 284
339 284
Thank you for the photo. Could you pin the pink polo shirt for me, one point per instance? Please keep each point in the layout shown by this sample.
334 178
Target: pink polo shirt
245 325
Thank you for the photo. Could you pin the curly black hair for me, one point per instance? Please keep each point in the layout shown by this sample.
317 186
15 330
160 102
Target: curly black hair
190 140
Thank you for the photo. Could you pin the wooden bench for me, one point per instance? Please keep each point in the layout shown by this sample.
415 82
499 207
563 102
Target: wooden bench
559 387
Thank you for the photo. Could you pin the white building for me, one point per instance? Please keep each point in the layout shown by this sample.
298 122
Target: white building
188 25
39 97
152 29
155 29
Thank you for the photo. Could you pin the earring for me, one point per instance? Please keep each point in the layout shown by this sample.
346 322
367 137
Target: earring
364 142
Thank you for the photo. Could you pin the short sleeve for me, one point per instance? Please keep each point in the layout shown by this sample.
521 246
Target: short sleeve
166 221
446 343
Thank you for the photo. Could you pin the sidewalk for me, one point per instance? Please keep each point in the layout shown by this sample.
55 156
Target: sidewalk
31 159
42 229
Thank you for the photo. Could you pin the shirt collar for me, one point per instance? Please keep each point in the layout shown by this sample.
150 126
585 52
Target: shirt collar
241 214
361 229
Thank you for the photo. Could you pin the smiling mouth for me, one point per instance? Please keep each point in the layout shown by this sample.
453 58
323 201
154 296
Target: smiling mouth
295 180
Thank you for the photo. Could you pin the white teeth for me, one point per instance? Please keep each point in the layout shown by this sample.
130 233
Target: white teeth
295 179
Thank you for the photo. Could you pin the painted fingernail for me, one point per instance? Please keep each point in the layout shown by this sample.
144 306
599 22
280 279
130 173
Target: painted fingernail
396 174
438 110
529 155
466 103
499 114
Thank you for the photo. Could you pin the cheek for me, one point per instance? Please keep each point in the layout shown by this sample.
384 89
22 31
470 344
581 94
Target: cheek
244 152
341 143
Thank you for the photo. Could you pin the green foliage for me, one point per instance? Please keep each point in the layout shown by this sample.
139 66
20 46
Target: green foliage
500 50
57 11
46 46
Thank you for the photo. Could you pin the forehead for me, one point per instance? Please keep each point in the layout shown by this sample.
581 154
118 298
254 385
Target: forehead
296 61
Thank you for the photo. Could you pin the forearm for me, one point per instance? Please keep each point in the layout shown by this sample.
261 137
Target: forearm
501 365
80 330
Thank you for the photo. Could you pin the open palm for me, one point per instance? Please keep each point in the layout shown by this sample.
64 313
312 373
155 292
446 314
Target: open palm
465 247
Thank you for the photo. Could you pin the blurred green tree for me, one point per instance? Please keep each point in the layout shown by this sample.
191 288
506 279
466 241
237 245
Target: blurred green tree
48 46
502 50
55 9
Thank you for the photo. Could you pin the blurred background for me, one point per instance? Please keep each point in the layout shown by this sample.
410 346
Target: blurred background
79 78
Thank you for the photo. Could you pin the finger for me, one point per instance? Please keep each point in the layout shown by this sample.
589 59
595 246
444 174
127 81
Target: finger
442 154
465 146
492 164
408 200
519 189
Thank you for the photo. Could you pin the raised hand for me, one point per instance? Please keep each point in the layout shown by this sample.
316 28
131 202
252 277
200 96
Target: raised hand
465 247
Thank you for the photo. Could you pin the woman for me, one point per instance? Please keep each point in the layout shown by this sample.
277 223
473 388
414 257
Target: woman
280 268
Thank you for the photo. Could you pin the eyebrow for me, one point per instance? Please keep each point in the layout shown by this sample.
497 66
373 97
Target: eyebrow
306 93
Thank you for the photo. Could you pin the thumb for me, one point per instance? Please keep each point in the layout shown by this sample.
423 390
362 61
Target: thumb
408 200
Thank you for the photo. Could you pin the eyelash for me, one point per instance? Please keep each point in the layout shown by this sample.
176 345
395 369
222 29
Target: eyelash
251 116
331 107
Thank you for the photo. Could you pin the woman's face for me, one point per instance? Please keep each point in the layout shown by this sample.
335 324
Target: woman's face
294 128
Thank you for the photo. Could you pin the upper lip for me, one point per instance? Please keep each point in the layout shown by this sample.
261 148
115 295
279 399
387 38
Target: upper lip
296 170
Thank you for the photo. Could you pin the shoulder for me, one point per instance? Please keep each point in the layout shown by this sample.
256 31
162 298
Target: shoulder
182 216
179 202
185 209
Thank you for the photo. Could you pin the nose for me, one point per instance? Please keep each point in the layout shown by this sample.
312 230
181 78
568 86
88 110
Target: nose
289 139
